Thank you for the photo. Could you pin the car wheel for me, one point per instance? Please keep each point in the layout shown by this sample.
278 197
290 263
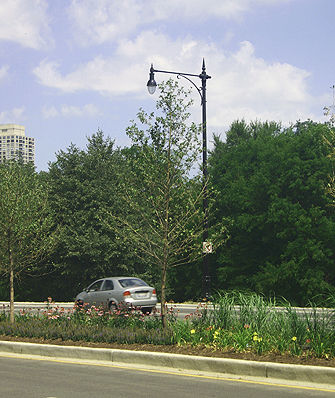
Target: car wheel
146 310
112 306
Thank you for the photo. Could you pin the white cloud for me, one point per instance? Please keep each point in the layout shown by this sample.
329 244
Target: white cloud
48 75
99 21
242 84
127 70
49 112
250 87
190 9
25 22
15 116
70 111
88 110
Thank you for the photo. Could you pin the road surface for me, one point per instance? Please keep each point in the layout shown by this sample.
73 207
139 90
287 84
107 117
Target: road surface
52 378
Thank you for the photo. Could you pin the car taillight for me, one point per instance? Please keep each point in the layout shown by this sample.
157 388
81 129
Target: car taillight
126 293
154 292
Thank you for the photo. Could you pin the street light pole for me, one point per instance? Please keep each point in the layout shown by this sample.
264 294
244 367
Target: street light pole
202 92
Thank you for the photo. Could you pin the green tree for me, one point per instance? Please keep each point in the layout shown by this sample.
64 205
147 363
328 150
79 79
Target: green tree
26 223
272 186
83 184
165 217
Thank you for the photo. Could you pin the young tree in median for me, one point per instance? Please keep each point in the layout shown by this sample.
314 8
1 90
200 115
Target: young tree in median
164 202
25 222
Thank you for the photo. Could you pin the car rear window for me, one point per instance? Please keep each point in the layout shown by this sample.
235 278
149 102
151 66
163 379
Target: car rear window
131 282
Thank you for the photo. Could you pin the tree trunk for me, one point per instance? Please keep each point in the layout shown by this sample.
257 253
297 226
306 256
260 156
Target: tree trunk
11 291
11 276
163 305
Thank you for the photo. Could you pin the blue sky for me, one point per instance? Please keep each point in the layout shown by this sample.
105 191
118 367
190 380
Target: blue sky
69 67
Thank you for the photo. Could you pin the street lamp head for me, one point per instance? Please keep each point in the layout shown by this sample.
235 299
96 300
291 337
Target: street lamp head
151 82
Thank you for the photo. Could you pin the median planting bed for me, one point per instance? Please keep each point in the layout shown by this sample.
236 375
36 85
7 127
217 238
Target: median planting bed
233 325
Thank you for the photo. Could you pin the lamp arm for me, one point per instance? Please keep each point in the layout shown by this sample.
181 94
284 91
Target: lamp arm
191 81
203 76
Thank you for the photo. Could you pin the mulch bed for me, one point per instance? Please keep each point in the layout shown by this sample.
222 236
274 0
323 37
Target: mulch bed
185 350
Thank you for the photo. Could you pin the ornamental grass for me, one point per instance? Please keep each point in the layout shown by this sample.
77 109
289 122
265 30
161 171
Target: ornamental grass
250 323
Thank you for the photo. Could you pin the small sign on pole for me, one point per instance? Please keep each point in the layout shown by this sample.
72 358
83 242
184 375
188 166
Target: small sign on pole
207 247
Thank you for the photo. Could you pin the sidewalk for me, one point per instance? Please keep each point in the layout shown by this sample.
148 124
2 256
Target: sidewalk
260 370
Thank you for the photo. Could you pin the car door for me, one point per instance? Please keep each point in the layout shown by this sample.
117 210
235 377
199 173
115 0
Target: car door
106 292
92 295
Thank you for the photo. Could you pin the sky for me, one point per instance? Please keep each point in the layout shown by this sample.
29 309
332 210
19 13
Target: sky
71 67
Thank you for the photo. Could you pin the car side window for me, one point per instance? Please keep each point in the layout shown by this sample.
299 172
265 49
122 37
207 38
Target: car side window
108 285
95 287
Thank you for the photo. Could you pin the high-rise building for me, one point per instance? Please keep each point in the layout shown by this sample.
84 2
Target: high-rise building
14 143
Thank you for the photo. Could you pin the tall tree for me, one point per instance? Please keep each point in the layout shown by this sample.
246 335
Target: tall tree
271 183
83 183
165 217
26 223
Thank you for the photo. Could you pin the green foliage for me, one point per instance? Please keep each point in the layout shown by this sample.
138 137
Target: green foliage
84 183
164 200
27 230
269 328
159 190
272 187
184 283
24 222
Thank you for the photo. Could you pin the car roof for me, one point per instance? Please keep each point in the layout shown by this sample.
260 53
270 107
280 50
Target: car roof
121 277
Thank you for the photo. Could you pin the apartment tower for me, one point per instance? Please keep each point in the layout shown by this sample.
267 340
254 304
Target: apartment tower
14 143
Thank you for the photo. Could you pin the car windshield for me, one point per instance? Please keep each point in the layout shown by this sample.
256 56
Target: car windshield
130 282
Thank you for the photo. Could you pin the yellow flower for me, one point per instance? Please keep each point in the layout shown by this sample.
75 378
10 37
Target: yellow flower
294 338
192 331
256 338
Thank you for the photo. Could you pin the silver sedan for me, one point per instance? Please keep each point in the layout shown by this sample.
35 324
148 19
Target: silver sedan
113 291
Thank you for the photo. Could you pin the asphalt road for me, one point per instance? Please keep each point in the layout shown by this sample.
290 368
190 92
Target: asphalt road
46 378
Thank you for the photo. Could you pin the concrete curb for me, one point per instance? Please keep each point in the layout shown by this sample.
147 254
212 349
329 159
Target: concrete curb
266 370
